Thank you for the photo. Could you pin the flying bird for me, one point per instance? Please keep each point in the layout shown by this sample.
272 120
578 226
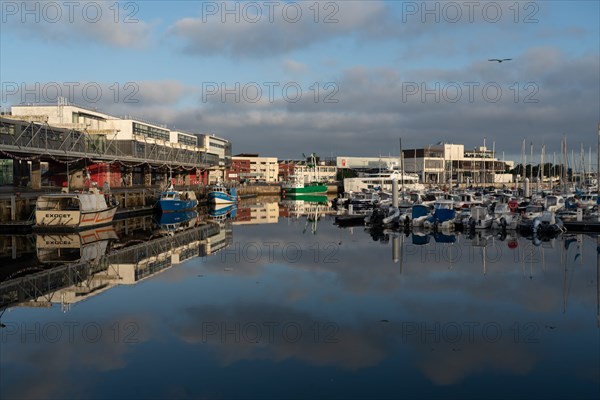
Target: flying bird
500 59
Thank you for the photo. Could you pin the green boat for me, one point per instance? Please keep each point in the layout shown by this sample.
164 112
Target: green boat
296 187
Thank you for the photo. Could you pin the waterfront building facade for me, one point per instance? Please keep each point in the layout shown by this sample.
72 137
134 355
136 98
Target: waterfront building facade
253 168
126 150
439 164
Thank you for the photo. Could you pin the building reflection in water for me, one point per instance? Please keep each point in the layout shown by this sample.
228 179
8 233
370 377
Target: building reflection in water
71 267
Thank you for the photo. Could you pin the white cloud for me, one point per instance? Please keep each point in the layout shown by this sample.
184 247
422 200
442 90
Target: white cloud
286 29
74 22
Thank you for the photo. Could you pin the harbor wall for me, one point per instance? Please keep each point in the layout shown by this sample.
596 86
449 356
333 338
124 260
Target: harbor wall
20 206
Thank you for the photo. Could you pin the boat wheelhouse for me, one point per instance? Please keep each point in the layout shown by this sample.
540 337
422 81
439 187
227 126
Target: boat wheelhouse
219 194
172 200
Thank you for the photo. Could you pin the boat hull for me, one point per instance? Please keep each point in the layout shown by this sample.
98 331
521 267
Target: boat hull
72 219
221 198
306 190
168 206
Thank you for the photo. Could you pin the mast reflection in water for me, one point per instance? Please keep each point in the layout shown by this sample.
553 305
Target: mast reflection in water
271 299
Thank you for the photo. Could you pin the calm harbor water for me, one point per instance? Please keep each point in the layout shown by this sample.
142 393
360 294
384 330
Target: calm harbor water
273 304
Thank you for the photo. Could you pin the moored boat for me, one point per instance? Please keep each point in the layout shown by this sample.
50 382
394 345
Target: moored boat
73 211
219 194
172 200
295 186
443 215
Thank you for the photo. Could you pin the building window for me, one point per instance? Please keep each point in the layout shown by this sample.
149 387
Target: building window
150 131
7 129
187 139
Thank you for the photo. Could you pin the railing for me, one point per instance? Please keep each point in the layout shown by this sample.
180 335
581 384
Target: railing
29 138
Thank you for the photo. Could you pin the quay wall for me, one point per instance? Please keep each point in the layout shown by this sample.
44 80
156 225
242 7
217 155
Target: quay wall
20 206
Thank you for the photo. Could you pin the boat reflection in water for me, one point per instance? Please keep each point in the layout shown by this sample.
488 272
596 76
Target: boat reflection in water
85 246
177 221
74 266
221 212
313 208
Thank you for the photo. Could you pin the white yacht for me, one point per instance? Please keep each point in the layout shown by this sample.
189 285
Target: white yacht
383 181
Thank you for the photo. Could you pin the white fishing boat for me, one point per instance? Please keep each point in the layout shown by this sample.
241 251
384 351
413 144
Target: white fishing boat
75 210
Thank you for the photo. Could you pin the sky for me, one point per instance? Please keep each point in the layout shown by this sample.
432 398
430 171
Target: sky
349 78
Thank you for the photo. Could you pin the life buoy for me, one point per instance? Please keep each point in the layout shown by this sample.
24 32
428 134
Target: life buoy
513 205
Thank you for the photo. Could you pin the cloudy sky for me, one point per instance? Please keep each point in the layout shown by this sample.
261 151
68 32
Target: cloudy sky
337 78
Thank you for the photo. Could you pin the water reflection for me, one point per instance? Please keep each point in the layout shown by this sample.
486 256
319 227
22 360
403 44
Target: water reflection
74 266
348 310
86 246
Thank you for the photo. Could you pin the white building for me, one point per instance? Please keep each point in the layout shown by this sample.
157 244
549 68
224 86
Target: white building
262 169
365 162
441 163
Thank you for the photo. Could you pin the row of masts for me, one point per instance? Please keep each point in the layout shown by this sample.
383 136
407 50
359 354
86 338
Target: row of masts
578 168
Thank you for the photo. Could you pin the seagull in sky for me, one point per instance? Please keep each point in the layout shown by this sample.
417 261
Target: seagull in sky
500 59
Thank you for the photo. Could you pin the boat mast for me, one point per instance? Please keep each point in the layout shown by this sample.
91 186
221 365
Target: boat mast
541 167
484 157
581 167
402 167
493 162
531 163
598 177
565 166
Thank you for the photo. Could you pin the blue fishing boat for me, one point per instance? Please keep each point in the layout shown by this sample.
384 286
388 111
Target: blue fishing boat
173 200
218 194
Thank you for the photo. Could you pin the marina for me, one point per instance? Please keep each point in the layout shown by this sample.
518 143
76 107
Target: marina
300 200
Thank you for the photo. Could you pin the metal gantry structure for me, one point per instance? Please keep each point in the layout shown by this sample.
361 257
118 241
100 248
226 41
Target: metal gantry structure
32 140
